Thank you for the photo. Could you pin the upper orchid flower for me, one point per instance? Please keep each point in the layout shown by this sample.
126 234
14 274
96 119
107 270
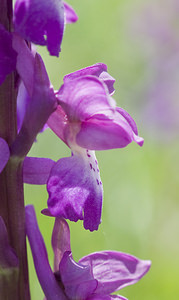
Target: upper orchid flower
42 22
86 119
94 277
37 21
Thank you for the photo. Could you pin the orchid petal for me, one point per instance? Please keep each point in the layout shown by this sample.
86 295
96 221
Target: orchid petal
77 279
128 118
75 190
45 275
95 70
98 70
83 97
41 105
40 22
4 154
118 297
107 130
58 122
60 241
7 54
25 61
8 258
108 80
23 100
102 135
70 15
36 170
106 297
115 270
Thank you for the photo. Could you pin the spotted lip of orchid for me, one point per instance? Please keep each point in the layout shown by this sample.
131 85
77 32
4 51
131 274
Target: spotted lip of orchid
86 119
75 189
95 276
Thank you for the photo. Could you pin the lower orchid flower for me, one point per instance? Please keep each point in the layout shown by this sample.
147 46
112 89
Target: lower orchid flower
86 119
94 277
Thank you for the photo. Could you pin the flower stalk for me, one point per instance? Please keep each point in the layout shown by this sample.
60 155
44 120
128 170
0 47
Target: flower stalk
11 180
11 185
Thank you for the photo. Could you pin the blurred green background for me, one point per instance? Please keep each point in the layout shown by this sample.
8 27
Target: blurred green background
136 39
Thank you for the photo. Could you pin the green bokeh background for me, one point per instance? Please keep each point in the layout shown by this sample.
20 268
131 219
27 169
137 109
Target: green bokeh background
141 207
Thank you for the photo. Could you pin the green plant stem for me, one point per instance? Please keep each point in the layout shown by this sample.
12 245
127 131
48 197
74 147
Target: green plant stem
11 179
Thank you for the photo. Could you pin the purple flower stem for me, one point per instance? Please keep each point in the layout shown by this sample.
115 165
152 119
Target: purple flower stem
6 13
7 89
11 180
13 214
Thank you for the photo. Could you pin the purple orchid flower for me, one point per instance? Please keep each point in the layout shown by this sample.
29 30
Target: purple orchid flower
42 22
86 119
95 276
37 21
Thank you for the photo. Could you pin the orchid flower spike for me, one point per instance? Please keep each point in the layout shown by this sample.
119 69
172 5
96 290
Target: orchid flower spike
86 119
94 277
